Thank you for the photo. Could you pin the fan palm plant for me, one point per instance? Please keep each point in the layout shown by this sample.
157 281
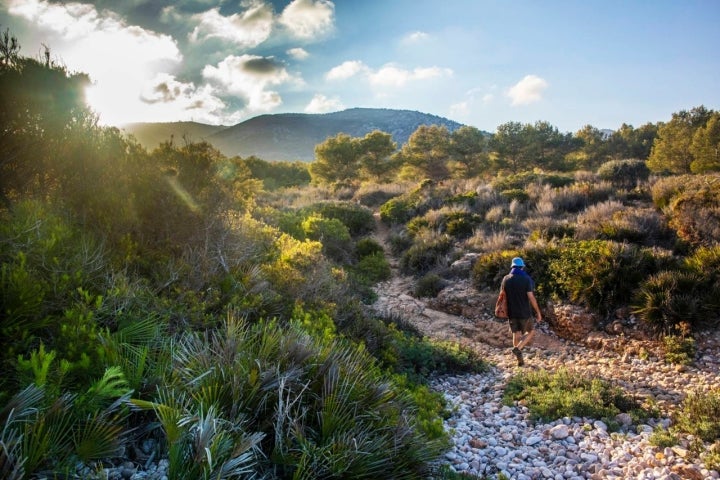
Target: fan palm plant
50 435
315 409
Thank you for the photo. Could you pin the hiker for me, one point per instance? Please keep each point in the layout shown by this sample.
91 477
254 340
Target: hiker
519 289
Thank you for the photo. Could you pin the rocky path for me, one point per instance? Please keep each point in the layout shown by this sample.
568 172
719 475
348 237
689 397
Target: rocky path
491 439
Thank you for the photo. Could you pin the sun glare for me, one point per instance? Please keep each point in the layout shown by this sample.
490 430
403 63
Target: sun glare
112 110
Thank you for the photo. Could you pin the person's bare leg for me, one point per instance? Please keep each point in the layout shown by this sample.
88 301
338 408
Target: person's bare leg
528 338
516 338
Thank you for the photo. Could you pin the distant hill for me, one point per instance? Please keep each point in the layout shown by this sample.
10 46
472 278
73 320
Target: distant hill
292 136
150 135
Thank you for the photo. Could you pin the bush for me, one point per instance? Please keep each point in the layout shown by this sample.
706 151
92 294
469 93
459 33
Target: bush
406 352
550 396
398 210
523 179
515 194
484 242
359 220
692 203
576 197
663 438
428 286
668 299
600 274
373 268
457 222
699 415
705 262
367 246
52 279
400 241
332 233
611 220
345 417
624 173
429 250
665 189
679 350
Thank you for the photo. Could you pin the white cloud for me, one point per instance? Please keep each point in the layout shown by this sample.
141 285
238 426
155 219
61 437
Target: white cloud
528 90
298 53
248 29
415 37
308 19
388 76
182 96
322 104
119 58
487 98
459 109
394 76
346 70
250 77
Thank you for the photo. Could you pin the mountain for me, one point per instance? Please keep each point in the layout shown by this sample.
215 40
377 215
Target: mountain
293 136
150 135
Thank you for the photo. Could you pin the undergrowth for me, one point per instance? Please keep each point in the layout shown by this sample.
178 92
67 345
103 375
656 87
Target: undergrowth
550 396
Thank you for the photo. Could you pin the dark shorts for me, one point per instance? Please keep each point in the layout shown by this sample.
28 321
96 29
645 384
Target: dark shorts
523 325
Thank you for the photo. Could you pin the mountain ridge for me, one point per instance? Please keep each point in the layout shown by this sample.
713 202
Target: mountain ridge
290 136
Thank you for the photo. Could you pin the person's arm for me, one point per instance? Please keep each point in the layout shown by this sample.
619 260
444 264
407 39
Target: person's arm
533 302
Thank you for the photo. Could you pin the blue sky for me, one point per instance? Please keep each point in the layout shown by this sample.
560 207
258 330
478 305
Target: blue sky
479 62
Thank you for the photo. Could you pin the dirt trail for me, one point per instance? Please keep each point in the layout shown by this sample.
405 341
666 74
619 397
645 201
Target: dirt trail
478 326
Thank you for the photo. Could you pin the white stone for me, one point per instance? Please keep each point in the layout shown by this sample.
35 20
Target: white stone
559 432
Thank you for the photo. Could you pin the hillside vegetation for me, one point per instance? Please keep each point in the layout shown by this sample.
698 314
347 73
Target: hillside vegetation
212 307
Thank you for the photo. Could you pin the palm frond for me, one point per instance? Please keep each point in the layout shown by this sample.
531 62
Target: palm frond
110 386
99 437
22 404
49 434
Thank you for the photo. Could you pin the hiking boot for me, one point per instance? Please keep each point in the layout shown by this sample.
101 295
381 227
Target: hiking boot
518 354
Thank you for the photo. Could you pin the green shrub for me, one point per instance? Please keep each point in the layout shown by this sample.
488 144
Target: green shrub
374 197
398 210
523 179
663 438
46 435
51 276
515 194
457 222
315 409
400 241
461 226
550 396
624 173
428 251
705 262
333 234
358 219
665 189
428 286
699 415
367 246
410 354
679 350
466 198
373 268
692 204
578 196
667 299
711 459
600 274
489 269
